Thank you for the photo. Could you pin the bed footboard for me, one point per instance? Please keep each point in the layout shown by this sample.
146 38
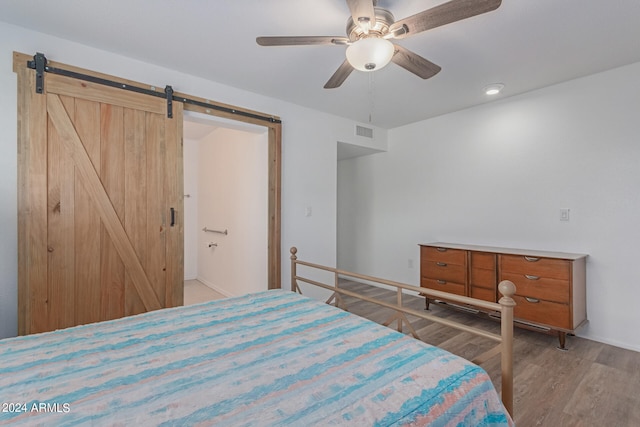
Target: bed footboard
504 307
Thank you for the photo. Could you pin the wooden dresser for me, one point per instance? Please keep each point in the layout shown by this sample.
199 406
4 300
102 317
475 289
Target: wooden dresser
550 286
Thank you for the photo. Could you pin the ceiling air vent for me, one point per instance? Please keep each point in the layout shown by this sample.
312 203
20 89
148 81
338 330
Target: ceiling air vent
363 131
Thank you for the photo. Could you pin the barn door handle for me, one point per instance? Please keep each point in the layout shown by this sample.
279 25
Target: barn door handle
173 217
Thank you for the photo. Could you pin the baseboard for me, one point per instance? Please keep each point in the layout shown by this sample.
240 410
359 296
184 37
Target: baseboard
214 287
608 341
191 277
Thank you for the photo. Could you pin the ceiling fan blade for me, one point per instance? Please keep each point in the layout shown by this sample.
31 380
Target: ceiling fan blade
446 13
414 63
363 13
339 76
301 40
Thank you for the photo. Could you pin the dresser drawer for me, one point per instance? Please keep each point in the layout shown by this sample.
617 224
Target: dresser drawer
483 278
542 288
442 270
483 294
542 267
544 312
483 260
443 285
449 256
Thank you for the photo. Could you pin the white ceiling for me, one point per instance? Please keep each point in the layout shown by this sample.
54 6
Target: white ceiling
525 44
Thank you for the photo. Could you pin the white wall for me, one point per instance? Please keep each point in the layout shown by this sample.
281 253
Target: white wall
309 152
233 182
191 154
498 175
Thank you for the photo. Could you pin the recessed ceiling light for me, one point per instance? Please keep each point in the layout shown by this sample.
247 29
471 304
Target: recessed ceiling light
493 89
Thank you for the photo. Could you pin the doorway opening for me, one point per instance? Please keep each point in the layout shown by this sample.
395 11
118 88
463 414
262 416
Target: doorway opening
225 207
235 116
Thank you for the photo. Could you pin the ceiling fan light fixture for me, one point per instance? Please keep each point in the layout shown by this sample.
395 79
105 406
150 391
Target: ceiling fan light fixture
493 89
369 54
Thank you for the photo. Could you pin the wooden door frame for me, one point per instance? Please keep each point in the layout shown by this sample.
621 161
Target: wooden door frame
271 122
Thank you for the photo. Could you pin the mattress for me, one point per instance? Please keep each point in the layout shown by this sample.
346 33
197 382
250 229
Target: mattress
274 358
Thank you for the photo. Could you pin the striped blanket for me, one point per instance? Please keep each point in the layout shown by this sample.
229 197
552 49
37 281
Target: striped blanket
271 358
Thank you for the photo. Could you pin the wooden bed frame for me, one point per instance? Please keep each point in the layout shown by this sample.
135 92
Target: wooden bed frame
504 307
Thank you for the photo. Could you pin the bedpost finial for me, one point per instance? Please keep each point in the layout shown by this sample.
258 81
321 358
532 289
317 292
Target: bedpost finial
293 251
507 288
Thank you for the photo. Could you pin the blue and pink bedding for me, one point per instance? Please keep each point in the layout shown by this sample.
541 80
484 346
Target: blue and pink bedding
271 358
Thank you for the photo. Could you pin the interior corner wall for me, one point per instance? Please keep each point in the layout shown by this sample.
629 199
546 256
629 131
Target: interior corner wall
233 188
349 206
308 152
498 175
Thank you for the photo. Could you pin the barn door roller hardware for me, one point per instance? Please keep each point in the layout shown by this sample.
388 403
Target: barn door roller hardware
168 92
39 64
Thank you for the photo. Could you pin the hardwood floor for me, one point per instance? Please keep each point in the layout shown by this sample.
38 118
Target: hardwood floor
591 384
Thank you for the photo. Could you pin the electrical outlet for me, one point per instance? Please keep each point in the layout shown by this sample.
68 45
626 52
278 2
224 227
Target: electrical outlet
564 214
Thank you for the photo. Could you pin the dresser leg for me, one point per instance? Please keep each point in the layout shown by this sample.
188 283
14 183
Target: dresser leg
426 303
562 337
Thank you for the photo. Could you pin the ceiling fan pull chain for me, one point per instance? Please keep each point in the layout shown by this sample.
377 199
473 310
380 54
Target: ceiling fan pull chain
371 96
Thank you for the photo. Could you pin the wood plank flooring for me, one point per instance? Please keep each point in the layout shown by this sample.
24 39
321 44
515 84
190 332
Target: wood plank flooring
592 384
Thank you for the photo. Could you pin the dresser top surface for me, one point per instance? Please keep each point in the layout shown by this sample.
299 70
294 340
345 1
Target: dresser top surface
507 251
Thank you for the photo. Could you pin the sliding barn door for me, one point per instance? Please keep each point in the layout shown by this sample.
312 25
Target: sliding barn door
100 203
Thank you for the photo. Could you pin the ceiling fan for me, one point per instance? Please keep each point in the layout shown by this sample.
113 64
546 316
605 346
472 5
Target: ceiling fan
370 28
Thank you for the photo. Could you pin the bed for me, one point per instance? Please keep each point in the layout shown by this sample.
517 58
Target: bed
270 358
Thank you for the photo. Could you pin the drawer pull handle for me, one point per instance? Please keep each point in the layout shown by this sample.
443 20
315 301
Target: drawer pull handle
530 277
441 264
532 300
441 282
531 259
441 249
